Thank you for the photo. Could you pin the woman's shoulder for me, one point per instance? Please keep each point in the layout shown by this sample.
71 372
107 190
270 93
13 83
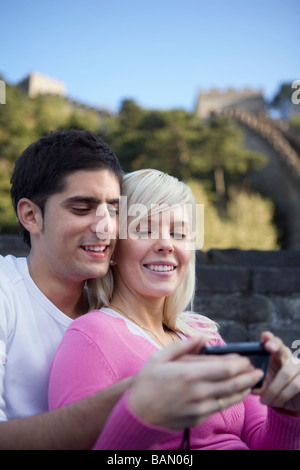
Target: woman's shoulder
201 324
94 319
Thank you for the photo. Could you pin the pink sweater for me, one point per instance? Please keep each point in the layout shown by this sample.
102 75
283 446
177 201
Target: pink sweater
99 349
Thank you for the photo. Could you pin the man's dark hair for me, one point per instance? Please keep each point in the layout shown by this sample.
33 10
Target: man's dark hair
41 169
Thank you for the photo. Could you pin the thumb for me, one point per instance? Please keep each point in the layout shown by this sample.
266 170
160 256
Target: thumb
178 349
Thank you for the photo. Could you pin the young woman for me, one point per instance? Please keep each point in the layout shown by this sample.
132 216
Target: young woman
143 309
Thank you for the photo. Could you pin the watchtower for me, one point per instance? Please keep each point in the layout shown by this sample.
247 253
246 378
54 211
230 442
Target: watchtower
216 101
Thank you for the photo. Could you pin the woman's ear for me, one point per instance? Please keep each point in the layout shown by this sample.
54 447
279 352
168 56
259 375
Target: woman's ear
114 256
30 216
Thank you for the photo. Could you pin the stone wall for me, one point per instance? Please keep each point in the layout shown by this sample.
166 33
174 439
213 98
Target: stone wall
13 244
216 101
246 292
38 84
280 177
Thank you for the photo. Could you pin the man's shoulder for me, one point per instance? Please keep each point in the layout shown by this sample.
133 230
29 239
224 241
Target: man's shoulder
9 292
10 268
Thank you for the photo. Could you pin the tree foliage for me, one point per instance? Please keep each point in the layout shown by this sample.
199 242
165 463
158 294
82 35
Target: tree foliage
282 103
248 225
175 141
22 121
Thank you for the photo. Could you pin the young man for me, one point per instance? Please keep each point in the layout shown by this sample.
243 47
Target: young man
65 189
58 185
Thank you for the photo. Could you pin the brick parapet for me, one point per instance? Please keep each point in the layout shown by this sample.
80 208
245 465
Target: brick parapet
246 292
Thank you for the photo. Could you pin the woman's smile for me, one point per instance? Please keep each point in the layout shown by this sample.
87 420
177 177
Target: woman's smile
160 268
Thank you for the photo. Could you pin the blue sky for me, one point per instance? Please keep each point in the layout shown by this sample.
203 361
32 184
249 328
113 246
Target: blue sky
158 52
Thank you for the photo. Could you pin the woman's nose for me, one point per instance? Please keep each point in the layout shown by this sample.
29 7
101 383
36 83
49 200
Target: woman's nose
164 245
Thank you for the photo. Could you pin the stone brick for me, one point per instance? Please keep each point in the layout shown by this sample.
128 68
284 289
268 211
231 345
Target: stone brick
288 333
233 332
273 280
202 257
222 279
251 258
13 244
255 330
287 306
240 308
241 317
220 307
245 292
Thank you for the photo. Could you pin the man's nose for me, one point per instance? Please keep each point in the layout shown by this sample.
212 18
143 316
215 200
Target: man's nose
105 223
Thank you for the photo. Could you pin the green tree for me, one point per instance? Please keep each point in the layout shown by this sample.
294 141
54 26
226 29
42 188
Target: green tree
8 219
248 226
176 141
224 156
282 102
17 123
22 121
161 139
295 124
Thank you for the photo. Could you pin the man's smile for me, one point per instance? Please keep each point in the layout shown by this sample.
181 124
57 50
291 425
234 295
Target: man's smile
96 248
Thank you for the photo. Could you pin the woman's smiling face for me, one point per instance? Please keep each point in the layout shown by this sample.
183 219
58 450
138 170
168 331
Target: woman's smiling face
152 261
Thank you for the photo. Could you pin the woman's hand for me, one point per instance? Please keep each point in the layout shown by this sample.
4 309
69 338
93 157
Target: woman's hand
281 388
178 388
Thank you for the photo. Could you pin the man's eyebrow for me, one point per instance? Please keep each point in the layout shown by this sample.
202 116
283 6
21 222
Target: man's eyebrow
114 201
89 200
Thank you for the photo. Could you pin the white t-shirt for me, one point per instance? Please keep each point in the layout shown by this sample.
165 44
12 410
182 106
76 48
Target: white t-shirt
31 328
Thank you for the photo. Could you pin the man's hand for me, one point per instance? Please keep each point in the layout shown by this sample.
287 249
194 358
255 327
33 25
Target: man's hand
281 388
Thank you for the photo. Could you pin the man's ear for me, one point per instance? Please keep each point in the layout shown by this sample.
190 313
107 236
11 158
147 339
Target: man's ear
30 216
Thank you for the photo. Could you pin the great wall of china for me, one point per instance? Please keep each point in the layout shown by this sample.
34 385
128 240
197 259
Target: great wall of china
247 292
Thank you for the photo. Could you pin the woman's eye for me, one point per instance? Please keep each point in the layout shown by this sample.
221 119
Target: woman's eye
144 234
178 235
138 235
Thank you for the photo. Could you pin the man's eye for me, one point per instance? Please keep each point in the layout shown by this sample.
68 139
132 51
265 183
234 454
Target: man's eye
80 210
113 211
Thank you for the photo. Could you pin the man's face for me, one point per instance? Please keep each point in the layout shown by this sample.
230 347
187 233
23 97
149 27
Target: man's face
80 227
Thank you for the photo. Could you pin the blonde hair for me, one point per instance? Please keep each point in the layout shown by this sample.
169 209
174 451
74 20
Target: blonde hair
152 187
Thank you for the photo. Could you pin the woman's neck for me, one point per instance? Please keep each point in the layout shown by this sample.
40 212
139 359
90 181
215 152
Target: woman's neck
147 312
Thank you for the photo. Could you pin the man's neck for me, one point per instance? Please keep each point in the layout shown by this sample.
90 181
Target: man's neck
68 297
